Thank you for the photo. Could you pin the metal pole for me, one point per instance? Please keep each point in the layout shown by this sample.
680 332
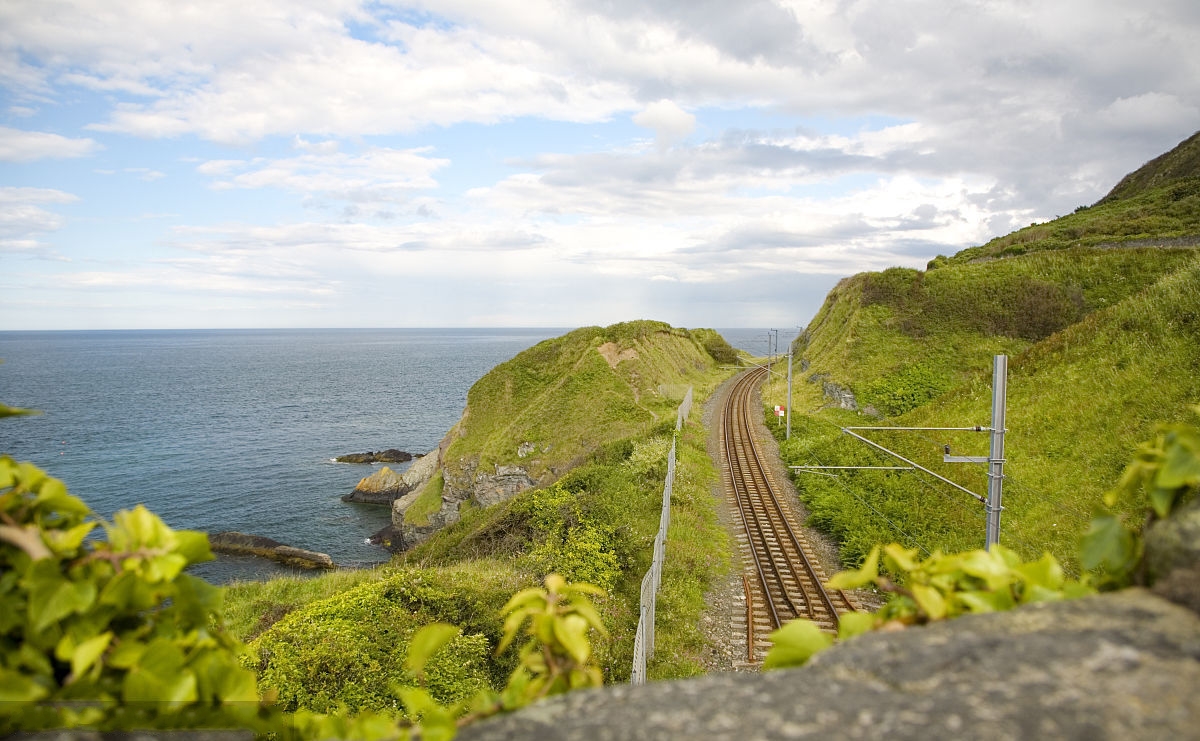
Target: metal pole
788 410
996 454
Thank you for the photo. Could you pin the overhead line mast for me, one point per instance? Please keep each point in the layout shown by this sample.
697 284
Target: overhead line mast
995 459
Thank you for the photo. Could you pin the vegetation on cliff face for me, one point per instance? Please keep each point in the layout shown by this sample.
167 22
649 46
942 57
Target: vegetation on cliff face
599 407
1103 343
550 406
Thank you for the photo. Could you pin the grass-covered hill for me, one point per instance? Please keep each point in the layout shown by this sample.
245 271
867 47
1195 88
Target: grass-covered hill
1099 313
531 419
553 404
598 408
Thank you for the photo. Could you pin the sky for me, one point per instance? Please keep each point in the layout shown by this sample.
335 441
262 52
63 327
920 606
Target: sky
476 163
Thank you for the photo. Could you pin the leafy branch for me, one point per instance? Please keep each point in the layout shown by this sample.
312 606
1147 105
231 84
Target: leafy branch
1165 471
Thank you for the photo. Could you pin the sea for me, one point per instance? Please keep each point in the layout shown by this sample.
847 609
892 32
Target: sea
220 430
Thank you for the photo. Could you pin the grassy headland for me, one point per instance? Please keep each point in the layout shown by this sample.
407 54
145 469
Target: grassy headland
1099 313
591 416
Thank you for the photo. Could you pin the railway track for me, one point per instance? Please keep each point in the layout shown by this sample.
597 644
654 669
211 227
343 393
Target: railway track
783 581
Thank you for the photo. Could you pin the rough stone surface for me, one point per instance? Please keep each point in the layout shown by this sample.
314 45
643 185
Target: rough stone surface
257 545
382 487
391 455
385 486
1173 556
839 395
1117 666
1174 543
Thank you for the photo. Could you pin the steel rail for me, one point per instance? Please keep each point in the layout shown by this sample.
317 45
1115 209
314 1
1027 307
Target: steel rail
783 568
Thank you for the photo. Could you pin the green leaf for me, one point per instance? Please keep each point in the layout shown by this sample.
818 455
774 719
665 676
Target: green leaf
162 569
426 642
238 685
523 598
930 601
159 676
512 626
865 575
1181 466
990 566
126 653
900 558
7 411
852 624
582 587
65 542
555 583
1107 544
416 701
16 687
1162 500
87 653
571 632
193 545
582 607
795 643
53 597
1044 572
985 601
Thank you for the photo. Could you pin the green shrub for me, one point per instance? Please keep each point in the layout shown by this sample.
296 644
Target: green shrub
569 540
906 388
324 664
115 624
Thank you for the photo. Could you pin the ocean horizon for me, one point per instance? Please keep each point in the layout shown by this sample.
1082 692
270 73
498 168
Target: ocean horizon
236 429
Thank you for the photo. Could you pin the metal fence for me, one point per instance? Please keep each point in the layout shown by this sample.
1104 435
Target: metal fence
643 642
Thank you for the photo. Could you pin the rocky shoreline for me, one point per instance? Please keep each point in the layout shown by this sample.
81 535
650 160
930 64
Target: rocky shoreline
391 455
256 545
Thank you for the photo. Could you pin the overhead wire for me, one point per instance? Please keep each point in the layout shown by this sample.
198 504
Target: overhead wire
911 539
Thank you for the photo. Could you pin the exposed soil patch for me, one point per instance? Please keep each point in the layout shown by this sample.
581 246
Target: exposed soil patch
613 353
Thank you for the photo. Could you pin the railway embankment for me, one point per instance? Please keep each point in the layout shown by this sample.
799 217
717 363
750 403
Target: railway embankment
1117 665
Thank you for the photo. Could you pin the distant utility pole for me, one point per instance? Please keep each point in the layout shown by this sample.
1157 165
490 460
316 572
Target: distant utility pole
788 408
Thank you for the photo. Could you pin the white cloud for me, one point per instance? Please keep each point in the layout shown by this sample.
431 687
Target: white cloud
377 175
670 123
23 221
899 131
146 174
26 146
1149 112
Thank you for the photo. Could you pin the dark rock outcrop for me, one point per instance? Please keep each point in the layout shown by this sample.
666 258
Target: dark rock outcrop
389 537
385 486
391 455
257 545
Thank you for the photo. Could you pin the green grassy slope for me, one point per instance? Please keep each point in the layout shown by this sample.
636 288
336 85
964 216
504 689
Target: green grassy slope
1104 342
602 430
1159 203
569 395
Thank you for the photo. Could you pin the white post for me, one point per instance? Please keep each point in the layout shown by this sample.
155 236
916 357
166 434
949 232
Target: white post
996 454
788 410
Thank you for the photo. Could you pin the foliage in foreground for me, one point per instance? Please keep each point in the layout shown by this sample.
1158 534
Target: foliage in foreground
114 634
110 633
1165 470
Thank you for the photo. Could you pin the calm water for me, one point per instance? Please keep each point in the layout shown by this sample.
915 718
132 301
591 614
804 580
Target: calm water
234 430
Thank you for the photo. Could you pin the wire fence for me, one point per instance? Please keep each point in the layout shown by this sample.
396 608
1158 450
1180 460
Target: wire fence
643 641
